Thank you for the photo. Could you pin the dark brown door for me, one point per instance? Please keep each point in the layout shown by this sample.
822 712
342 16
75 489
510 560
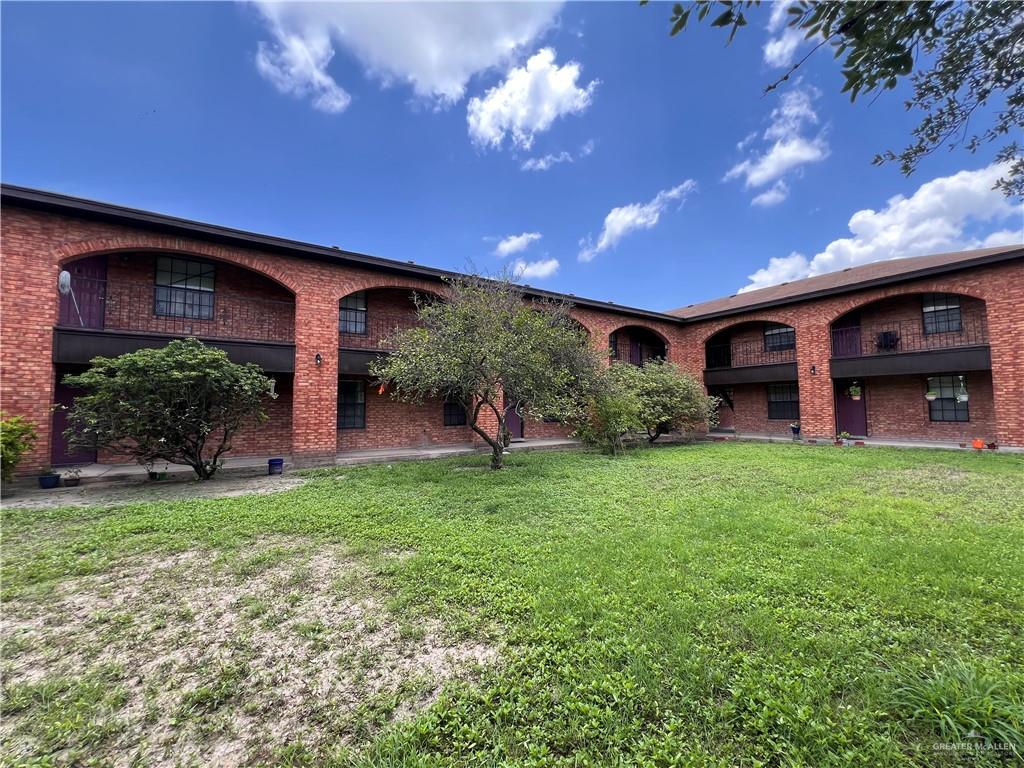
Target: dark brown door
851 415
513 421
85 304
61 453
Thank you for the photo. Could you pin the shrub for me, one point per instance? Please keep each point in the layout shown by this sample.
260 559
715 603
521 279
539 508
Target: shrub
671 400
16 437
182 403
612 411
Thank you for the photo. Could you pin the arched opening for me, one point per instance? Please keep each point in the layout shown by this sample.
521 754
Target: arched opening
913 322
116 302
636 344
750 343
175 294
368 319
913 366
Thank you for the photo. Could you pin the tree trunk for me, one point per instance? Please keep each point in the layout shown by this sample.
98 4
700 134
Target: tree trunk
497 446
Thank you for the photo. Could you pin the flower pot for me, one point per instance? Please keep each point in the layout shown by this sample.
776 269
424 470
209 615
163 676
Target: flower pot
49 481
275 466
71 482
837 443
155 476
855 397
795 431
930 398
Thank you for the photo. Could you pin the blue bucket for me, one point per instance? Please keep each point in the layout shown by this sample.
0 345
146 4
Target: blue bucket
275 466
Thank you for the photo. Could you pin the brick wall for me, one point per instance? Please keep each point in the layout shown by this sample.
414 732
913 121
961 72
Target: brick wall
391 424
751 415
896 408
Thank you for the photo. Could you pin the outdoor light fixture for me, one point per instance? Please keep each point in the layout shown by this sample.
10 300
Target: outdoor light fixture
814 370
273 386
319 359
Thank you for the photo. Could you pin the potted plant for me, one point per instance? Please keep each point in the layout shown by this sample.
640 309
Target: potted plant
843 438
72 477
795 429
854 391
48 478
931 396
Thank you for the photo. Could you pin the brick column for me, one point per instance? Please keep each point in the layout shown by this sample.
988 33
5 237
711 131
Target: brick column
817 405
1007 349
315 392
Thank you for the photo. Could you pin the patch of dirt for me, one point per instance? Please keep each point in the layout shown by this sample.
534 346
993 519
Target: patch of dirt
112 494
222 658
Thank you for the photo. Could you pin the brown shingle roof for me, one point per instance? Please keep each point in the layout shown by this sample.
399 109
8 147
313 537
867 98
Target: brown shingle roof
849 279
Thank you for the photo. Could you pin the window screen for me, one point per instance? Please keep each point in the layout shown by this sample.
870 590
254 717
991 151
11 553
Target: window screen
352 314
351 404
941 313
184 288
778 338
783 401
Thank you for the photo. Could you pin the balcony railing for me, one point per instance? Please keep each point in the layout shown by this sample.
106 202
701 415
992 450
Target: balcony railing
745 353
906 336
145 308
375 333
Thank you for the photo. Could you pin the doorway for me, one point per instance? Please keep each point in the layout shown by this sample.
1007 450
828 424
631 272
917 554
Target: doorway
513 421
851 412
61 452
84 305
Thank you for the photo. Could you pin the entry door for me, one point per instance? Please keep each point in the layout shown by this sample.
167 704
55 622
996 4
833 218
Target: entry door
513 421
851 415
61 453
85 306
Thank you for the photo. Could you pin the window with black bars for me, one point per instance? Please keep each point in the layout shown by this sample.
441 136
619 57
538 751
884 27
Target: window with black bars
352 313
454 414
183 288
941 313
783 401
351 404
947 406
778 338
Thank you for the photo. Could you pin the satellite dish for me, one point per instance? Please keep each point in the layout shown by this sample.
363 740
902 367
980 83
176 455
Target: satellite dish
64 282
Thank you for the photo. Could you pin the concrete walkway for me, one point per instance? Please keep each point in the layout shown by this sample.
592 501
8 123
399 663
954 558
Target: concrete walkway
766 437
242 466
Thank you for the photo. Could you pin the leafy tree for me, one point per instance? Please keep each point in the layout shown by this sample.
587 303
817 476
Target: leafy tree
485 344
967 54
670 400
182 404
612 409
16 437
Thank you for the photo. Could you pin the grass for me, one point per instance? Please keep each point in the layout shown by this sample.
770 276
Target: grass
709 605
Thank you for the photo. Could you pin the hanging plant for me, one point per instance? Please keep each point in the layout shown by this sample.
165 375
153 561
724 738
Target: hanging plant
854 392
931 396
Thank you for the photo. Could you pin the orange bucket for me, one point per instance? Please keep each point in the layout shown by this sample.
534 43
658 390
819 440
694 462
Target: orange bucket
978 443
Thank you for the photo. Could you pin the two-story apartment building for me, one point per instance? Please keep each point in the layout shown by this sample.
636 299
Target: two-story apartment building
854 351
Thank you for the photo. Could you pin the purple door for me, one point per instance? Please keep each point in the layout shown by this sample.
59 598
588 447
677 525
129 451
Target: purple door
61 453
851 415
513 421
85 305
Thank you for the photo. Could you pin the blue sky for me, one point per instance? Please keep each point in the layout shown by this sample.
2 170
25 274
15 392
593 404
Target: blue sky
421 132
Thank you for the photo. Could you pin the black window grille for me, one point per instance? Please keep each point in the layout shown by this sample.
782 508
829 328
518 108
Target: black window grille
183 288
941 312
352 313
783 401
947 406
454 414
351 404
779 338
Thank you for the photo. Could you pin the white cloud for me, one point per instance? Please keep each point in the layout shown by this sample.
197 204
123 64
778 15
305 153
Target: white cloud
433 47
774 195
621 221
534 270
516 243
547 161
783 40
786 148
530 99
936 218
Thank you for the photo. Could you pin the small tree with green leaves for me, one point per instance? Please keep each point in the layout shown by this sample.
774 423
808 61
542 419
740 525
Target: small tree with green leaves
182 403
670 400
486 345
16 438
612 409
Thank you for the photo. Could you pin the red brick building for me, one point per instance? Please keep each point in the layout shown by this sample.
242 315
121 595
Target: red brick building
313 317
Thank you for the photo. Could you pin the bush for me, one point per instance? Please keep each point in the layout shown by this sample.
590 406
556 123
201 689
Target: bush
16 437
182 404
613 410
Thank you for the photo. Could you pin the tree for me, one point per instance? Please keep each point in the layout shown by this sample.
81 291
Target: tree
670 400
485 343
182 404
612 409
16 437
972 54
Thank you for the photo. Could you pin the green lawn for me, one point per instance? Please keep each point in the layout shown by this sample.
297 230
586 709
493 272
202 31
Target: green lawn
708 605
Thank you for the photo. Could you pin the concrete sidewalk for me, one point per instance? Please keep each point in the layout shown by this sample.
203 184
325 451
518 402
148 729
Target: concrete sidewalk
874 442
